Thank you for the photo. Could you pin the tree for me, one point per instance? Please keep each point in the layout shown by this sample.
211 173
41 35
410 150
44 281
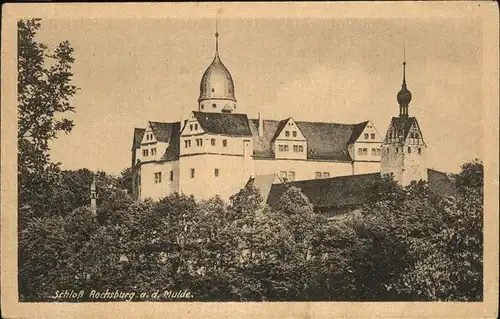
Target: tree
44 97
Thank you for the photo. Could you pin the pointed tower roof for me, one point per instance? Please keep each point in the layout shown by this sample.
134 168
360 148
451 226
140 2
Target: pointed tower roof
217 82
404 95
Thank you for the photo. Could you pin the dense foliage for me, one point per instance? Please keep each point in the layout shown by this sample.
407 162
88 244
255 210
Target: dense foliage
408 244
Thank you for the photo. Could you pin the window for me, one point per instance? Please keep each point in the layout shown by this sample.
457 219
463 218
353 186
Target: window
294 133
285 148
147 137
196 126
216 172
419 151
153 151
360 151
212 141
171 175
214 105
411 135
280 147
301 148
199 142
224 143
190 127
326 174
295 148
318 175
157 177
187 143
397 150
145 153
373 136
375 151
365 151
291 176
287 133
202 106
366 136
283 174
416 135
409 149
213 90
192 172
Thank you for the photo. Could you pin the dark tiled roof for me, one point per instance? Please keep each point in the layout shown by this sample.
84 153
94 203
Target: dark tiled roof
327 141
172 151
328 192
356 132
262 145
163 131
224 123
440 183
138 135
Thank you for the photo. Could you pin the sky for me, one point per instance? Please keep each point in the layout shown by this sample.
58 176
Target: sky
343 70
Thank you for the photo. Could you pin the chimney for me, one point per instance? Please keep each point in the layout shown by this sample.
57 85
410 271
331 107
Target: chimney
261 126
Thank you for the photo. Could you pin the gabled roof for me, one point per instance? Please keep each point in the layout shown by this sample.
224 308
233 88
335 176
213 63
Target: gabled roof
280 128
162 131
327 141
138 135
402 125
172 151
262 145
224 123
328 192
356 132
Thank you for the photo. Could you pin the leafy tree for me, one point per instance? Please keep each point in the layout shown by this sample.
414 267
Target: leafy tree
44 95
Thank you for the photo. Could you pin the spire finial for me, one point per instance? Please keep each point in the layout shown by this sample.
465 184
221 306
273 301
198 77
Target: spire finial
217 35
404 64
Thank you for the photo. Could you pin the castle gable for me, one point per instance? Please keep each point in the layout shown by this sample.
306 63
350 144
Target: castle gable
192 126
288 130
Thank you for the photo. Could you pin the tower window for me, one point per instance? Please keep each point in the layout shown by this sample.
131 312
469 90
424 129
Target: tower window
213 90
224 143
157 177
212 141
192 172
214 105
171 175
216 172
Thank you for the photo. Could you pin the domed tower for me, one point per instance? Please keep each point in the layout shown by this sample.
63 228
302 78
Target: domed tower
217 86
404 150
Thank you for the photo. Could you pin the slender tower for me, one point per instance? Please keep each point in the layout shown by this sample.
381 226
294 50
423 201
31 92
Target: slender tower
93 197
404 150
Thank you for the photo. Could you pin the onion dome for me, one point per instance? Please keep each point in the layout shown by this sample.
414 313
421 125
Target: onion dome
216 82
404 95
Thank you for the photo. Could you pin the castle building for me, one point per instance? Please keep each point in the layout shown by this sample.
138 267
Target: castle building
218 148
